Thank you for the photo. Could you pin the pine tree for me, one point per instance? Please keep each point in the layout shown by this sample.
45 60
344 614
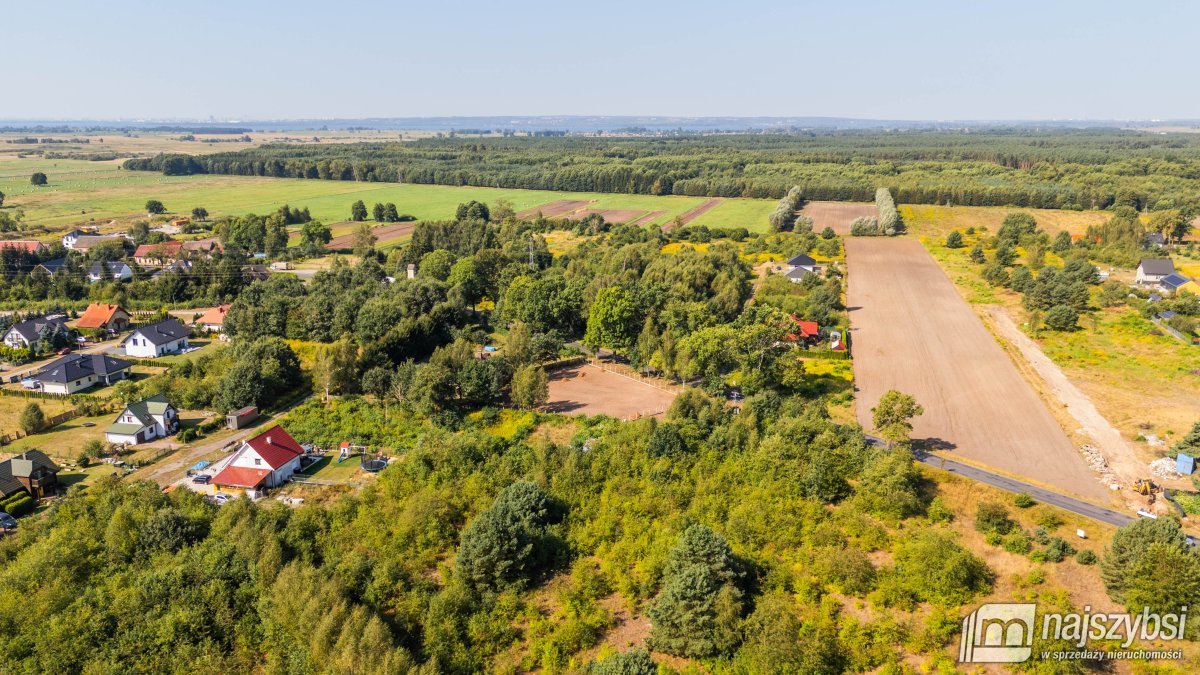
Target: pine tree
698 612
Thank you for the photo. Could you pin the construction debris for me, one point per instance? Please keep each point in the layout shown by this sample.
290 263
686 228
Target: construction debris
1163 467
1097 463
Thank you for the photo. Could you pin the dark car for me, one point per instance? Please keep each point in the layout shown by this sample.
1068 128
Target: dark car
202 479
64 351
7 522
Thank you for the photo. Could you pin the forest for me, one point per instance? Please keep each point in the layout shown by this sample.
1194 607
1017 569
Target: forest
1067 169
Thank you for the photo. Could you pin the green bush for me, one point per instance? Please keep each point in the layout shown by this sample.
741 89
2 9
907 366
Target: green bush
992 517
1023 501
21 506
1086 557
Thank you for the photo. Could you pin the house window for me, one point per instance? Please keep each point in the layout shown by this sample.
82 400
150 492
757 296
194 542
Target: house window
257 461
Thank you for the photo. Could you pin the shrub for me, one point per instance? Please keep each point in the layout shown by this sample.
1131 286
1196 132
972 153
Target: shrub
32 419
1062 318
1023 500
1017 542
992 517
1086 557
954 240
1058 549
1049 519
865 226
20 506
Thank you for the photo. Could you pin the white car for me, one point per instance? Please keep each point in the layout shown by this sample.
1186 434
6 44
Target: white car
221 498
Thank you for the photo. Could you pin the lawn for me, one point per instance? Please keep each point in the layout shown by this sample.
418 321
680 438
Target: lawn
82 191
328 469
64 441
11 407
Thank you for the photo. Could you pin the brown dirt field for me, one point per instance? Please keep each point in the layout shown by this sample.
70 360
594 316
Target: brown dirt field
587 390
837 215
694 213
912 332
610 215
653 215
554 209
383 234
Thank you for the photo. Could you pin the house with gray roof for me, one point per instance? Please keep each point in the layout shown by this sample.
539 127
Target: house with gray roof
27 332
115 270
76 372
1150 271
1173 282
31 471
158 339
144 421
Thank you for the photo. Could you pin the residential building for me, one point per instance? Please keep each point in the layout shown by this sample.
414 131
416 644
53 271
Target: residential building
800 266
76 372
25 245
265 461
205 248
68 239
213 321
1153 239
25 333
85 242
51 267
162 253
159 339
1150 271
176 267
31 472
115 270
256 272
98 316
144 421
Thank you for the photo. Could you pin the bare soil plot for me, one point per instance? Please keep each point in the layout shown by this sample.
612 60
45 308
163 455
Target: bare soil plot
588 390
912 331
383 234
694 213
610 215
556 209
837 215
653 215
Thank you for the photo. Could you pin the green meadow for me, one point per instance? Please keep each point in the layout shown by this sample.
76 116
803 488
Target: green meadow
83 191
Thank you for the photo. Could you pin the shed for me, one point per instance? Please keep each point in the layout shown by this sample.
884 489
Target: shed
1185 464
241 418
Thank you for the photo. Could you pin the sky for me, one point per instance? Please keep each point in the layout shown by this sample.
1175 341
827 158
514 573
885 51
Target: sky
301 59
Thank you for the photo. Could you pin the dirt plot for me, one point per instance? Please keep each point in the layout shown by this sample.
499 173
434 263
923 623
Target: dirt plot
588 390
837 215
653 215
912 332
556 209
610 215
694 213
383 234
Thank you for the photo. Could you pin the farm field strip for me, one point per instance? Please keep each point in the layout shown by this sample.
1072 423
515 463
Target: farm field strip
837 215
912 332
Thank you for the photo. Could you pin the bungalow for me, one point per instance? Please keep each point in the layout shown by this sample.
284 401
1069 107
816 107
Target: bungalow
162 253
256 273
202 247
69 239
1173 282
164 337
1150 271
116 270
110 318
805 332
86 242
51 267
176 267
76 372
213 321
27 332
1153 239
31 472
264 461
800 266
144 421
25 245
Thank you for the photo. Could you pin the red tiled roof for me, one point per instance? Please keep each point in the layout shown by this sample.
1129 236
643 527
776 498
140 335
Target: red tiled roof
27 246
214 316
240 476
166 248
804 329
98 315
275 446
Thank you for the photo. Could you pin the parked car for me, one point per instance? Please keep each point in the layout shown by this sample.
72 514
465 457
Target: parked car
202 479
7 522
221 498
64 351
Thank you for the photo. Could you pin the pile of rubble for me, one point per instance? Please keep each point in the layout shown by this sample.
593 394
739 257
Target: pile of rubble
1163 467
1097 463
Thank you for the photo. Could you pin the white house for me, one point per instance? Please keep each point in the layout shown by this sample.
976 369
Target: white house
800 266
68 239
25 333
265 461
164 337
1150 271
144 421
76 372
116 270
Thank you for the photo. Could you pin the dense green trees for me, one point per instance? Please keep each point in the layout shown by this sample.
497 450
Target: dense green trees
893 415
509 544
699 608
784 215
358 211
1071 169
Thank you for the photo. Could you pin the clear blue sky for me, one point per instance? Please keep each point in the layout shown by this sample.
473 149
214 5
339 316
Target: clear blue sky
926 59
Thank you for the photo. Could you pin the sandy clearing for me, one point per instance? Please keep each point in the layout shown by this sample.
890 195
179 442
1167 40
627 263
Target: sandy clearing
1117 452
587 390
911 331
837 215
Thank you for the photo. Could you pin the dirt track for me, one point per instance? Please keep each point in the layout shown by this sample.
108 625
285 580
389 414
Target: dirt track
837 215
911 331
588 390
383 234
556 209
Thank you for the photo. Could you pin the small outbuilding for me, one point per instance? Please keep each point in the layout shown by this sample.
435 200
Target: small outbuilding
242 418
1185 464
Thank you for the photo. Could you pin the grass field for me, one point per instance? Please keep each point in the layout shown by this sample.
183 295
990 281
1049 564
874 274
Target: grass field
11 407
328 469
82 192
937 221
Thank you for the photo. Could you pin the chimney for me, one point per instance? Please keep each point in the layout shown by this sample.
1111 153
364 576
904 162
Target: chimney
269 441
412 271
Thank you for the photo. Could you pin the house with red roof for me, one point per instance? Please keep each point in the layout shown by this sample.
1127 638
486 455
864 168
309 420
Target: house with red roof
111 318
264 461
803 331
213 321
28 246
162 253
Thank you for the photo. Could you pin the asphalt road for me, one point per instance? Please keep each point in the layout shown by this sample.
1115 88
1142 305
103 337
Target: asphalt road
1078 506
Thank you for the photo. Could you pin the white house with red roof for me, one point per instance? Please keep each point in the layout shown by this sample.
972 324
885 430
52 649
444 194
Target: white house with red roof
265 461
